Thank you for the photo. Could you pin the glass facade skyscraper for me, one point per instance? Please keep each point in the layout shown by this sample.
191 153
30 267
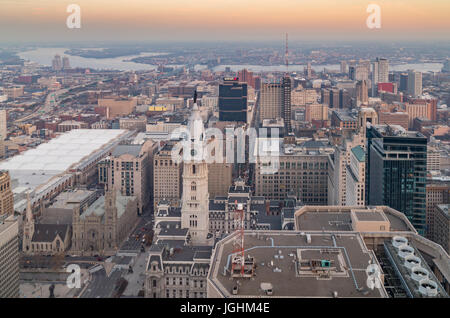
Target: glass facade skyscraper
397 167
233 100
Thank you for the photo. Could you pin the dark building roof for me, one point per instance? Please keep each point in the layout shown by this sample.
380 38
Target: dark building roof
48 232
313 144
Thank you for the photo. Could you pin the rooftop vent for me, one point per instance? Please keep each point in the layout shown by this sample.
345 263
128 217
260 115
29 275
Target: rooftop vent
418 273
428 288
405 250
398 241
412 261
267 288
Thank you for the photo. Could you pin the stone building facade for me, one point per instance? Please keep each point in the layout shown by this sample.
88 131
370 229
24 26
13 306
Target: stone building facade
102 227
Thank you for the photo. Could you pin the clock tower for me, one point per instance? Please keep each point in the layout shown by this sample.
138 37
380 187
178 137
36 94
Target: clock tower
195 198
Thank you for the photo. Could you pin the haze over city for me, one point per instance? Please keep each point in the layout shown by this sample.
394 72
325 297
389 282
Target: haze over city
231 20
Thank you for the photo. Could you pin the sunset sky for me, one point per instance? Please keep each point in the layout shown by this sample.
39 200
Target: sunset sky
213 20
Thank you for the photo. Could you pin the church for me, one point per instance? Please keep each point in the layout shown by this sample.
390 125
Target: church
104 225
44 239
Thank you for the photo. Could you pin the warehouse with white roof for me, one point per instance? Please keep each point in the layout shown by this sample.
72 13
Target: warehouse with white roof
51 167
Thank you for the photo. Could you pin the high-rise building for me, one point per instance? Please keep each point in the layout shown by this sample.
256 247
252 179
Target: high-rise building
233 100
415 111
3 124
65 63
6 195
302 171
380 73
270 101
248 77
403 87
414 83
338 165
9 258
57 63
166 176
275 101
355 174
359 72
301 97
397 168
438 192
128 169
316 111
362 93
344 67
286 102
441 226
308 71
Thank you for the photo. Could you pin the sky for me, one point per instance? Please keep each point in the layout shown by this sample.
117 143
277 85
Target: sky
223 20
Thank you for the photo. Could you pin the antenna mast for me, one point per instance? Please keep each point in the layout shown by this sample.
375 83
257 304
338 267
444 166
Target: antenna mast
238 262
286 55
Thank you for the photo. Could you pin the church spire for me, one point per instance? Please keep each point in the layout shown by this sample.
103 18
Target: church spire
29 212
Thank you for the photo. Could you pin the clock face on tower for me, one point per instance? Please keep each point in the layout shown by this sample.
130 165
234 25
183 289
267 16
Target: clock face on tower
193 153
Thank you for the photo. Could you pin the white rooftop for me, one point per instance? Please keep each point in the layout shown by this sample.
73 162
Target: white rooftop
38 166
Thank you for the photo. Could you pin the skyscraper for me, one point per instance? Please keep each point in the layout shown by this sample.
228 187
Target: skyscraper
397 168
286 85
57 63
344 67
9 260
403 82
308 71
414 83
270 101
362 96
380 73
65 63
232 100
381 70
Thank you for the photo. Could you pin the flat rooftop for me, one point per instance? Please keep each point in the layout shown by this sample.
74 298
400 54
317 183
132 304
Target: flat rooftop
338 218
282 261
66 199
46 164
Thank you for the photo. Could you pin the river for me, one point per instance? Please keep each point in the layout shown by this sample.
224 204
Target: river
44 56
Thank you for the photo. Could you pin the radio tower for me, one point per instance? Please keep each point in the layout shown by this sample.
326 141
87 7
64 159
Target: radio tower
286 55
238 263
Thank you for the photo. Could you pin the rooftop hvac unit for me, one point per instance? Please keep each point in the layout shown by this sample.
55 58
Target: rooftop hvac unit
405 250
412 261
418 273
428 288
398 241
